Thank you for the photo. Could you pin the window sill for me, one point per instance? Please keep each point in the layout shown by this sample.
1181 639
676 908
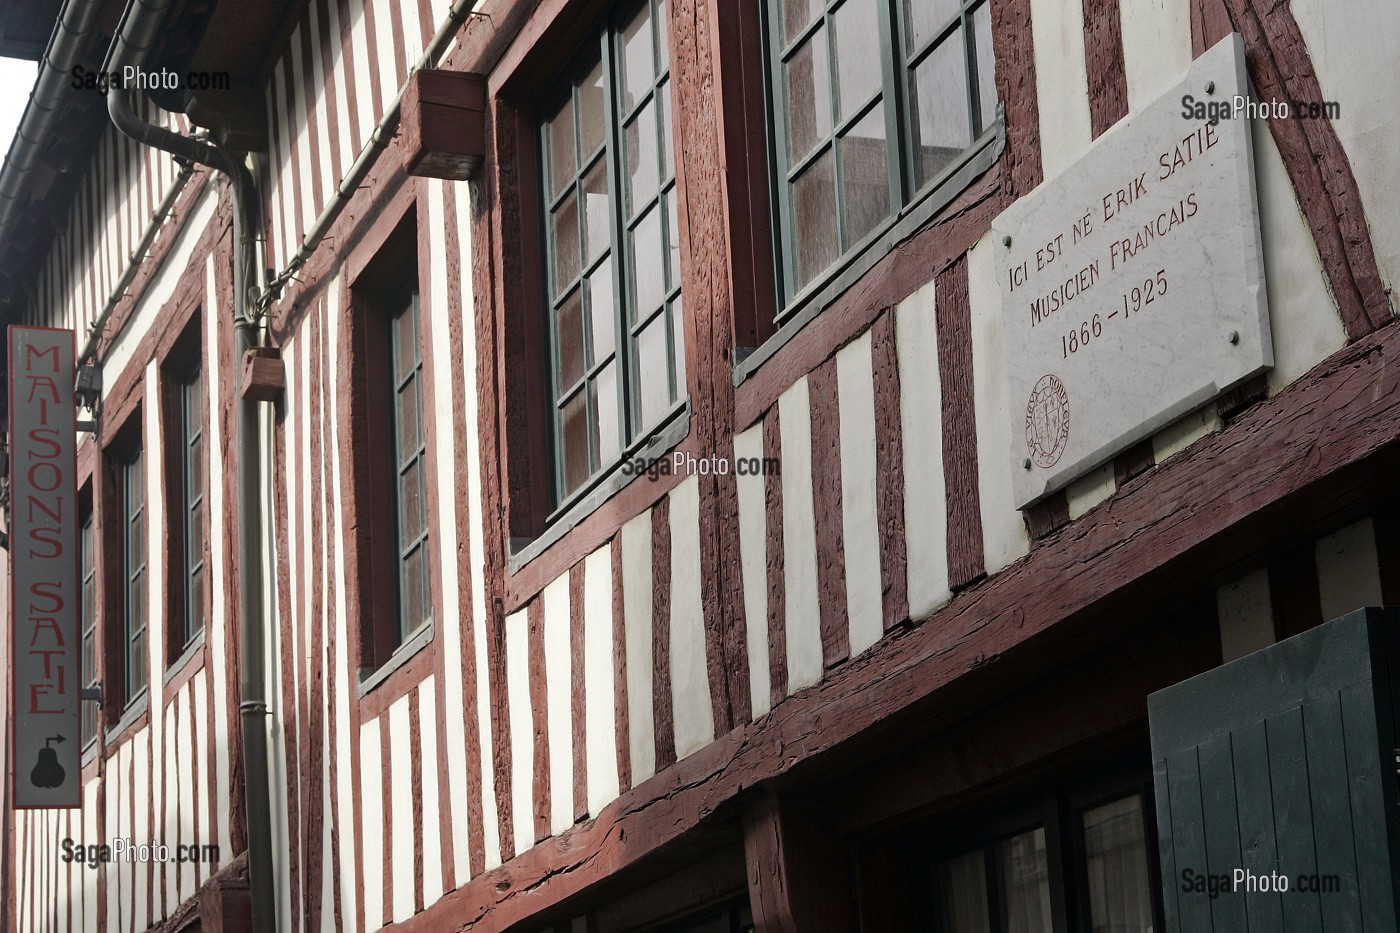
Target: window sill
812 300
670 435
129 721
184 667
413 644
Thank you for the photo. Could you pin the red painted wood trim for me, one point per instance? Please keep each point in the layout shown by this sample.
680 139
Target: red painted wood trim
954 324
476 855
400 55
889 472
1281 69
322 613
825 413
662 712
1103 60
327 90
334 554
777 587
1210 22
347 54
1133 462
386 804
298 183
623 728
416 765
539 716
578 693
372 40
308 112
1048 515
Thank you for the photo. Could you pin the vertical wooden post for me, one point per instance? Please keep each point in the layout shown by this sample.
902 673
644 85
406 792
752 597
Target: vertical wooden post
797 872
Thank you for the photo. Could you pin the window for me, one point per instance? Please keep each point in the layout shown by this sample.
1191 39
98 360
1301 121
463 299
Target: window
132 476
612 253
1081 860
88 570
190 405
880 101
410 460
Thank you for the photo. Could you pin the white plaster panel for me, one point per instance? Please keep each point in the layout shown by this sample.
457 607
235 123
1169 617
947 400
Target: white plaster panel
1357 62
1246 615
921 429
1088 491
558 675
855 381
522 731
637 594
216 632
1004 538
1156 47
1061 81
1181 434
1348 570
371 810
399 772
1303 317
690 682
753 560
432 790
804 640
599 687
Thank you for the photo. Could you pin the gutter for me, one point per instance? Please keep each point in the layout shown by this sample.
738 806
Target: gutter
142 22
70 37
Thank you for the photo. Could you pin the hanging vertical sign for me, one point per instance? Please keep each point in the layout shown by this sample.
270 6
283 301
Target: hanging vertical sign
45 678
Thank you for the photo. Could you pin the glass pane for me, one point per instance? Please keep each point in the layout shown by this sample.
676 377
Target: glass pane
415 578
865 176
641 159
560 141
651 274
638 62
925 18
673 214
668 133
1026 882
814 210
136 483
570 342
678 338
410 505
1115 852
596 218
566 266
858 68
195 479
986 64
574 421
407 423
137 661
796 14
939 102
196 542
405 344
592 112
662 30
653 386
601 311
609 437
962 894
194 610
809 96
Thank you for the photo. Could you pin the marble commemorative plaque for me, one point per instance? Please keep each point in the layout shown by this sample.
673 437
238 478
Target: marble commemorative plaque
1132 285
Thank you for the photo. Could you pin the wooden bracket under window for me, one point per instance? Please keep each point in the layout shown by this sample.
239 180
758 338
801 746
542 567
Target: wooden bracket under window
444 124
263 374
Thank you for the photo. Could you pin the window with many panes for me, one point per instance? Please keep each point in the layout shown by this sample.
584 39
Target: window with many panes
409 458
191 503
878 102
612 252
132 475
88 569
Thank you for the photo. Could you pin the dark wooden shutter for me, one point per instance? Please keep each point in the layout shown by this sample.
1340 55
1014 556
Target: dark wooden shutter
1285 761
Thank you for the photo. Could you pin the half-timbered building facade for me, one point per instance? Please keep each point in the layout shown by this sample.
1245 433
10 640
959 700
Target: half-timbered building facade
548 466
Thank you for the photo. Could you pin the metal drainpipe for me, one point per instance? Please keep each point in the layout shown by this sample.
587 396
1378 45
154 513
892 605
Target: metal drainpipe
139 25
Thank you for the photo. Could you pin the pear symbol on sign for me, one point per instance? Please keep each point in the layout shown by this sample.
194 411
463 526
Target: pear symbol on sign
48 772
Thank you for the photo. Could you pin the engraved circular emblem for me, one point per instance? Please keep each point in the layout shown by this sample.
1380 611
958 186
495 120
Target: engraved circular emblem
1047 421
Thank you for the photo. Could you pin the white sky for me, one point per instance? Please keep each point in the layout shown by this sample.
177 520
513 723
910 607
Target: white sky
16 81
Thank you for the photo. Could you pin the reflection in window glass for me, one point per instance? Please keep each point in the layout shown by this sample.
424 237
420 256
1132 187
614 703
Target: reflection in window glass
1115 851
962 883
1026 883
